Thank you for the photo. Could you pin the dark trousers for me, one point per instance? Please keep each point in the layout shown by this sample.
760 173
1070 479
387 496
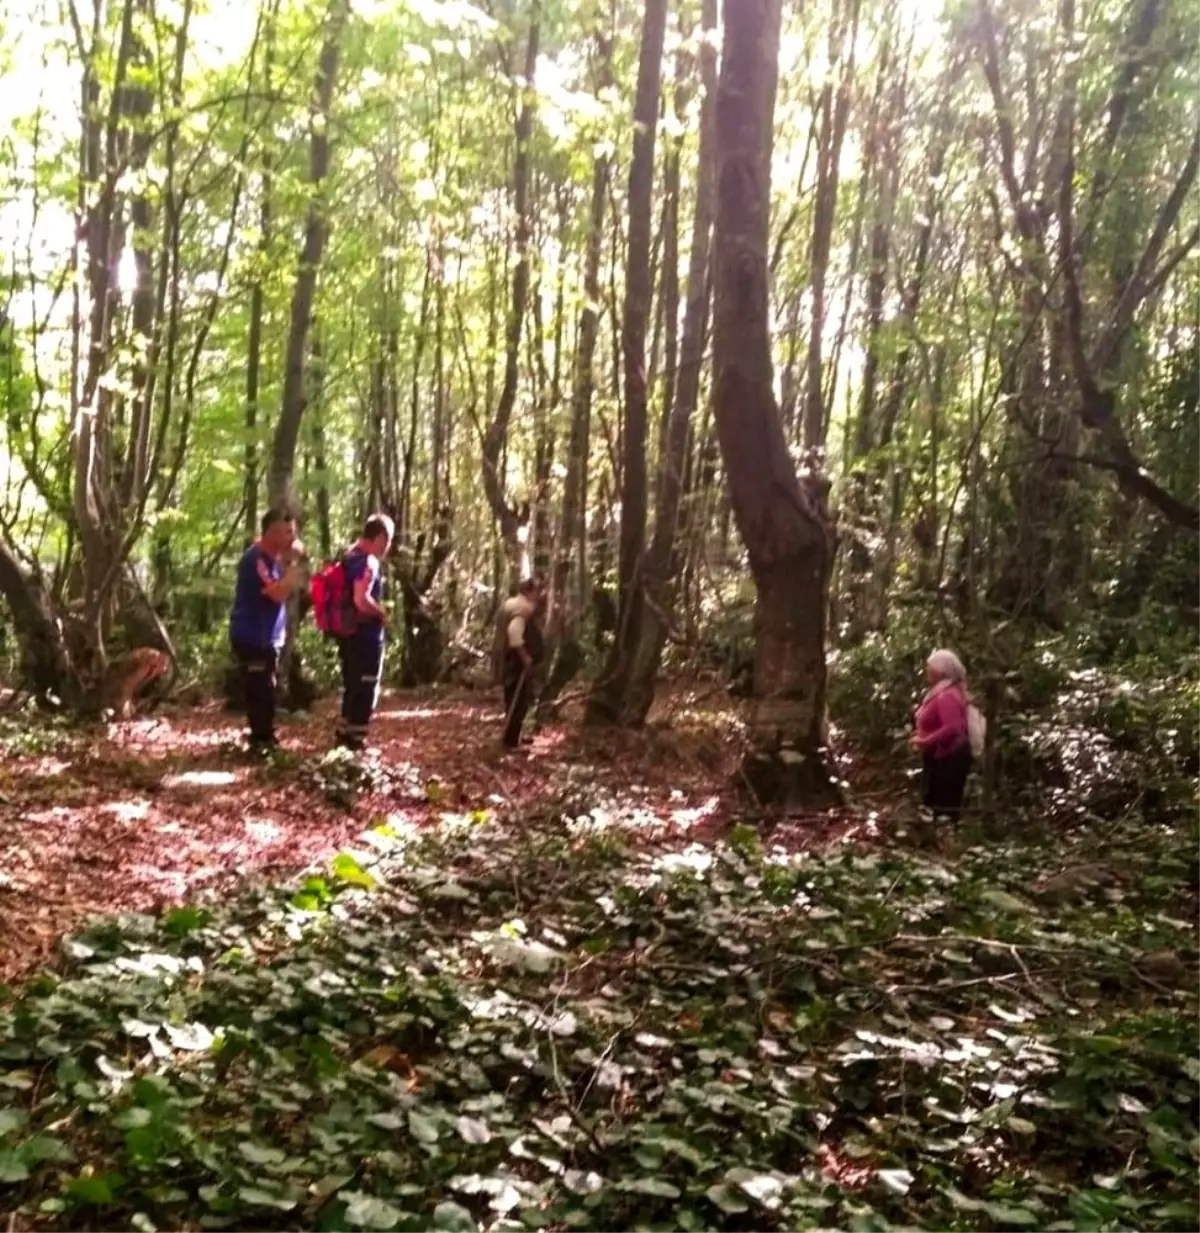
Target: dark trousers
362 664
518 694
257 667
944 782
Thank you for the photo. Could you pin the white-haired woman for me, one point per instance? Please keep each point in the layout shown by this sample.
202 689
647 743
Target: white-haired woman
942 735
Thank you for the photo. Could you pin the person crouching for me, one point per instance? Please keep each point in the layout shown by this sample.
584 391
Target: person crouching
942 736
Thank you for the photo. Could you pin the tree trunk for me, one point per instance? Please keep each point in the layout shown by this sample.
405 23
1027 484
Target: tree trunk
257 310
835 108
496 437
664 559
783 524
320 462
316 235
46 667
606 700
565 653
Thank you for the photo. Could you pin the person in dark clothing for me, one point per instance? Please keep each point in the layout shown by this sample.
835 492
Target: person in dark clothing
523 649
361 654
268 573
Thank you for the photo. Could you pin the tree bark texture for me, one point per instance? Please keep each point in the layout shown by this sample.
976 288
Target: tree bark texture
496 437
782 521
606 700
316 235
665 556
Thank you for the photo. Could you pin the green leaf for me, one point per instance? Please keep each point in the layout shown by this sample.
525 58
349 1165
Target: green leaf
11 1119
260 1154
453 1218
727 1199
387 1121
181 921
652 1186
12 1167
898 1181
256 1196
422 1128
365 1211
133 1118
44 1148
1001 1213
1005 902
90 1191
473 1130
346 869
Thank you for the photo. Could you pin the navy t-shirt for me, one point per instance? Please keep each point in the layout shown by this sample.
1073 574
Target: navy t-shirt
370 629
257 621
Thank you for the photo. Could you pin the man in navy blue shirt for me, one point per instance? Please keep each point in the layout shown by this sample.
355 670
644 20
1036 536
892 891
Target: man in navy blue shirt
361 653
267 575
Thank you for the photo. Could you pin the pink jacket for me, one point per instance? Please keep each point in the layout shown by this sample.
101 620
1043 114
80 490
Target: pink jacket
942 721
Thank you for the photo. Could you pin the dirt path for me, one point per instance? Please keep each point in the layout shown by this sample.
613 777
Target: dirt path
157 811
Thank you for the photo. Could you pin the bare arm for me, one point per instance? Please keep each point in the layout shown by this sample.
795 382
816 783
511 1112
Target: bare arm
279 590
362 593
516 640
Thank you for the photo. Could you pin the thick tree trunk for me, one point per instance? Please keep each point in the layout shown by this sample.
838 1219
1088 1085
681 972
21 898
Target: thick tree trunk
664 558
783 524
46 667
316 235
606 700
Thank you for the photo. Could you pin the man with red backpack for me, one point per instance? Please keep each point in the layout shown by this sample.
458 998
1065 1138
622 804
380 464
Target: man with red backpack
347 601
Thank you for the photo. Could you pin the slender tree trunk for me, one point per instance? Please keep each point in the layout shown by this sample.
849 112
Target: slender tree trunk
320 461
316 235
496 437
665 555
783 523
835 108
257 310
606 699
566 654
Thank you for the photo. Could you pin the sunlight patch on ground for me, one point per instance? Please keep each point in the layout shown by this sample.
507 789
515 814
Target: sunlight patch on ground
200 779
127 811
468 713
686 818
262 831
416 712
45 768
148 734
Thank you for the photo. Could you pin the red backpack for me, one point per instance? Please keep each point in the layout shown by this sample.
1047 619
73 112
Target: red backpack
332 600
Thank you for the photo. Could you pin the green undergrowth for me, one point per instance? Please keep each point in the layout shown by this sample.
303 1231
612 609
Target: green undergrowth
540 1022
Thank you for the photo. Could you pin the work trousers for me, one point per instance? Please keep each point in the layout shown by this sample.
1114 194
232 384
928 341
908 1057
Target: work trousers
257 666
362 666
518 695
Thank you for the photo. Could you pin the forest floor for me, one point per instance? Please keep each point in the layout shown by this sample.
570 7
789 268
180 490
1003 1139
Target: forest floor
569 988
150 813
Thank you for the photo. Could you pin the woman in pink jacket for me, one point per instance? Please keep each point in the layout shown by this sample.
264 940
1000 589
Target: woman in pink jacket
942 736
